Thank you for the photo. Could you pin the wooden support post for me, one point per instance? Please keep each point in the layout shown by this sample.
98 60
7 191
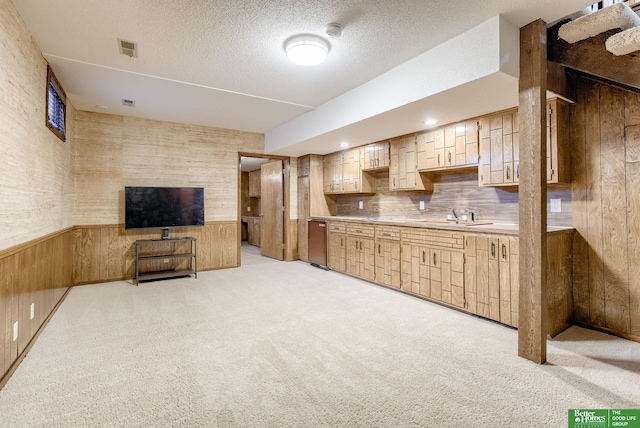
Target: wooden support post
532 332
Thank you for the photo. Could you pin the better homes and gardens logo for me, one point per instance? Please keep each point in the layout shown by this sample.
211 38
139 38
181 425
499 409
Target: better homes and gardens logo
602 418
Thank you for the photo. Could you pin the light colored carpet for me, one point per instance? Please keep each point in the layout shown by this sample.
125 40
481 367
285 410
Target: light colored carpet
276 344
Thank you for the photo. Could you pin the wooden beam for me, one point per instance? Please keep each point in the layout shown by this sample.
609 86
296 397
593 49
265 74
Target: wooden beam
532 331
560 82
590 56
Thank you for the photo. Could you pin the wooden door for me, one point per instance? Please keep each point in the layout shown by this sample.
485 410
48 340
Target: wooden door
272 228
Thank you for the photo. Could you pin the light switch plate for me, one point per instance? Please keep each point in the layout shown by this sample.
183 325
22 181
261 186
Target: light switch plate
556 205
422 205
360 205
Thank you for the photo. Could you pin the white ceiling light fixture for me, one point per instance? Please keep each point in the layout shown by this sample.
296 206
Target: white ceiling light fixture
307 49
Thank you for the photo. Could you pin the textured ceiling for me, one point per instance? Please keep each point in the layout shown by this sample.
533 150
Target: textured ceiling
221 63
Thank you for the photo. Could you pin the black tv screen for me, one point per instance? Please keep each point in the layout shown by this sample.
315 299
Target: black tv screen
163 207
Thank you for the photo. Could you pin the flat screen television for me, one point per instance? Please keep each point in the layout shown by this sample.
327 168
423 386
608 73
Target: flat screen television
163 207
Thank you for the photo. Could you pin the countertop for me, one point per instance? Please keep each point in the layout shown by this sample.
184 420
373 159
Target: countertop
480 226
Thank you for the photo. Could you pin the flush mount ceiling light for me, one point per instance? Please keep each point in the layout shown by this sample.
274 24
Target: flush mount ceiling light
306 49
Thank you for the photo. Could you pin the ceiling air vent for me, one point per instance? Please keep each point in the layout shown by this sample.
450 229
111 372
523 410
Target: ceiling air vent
128 103
128 48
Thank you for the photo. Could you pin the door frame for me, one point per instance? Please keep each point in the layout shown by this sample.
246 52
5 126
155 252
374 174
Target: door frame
290 244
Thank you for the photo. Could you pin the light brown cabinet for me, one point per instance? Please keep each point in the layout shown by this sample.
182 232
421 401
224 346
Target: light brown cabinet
376 156
453 146
311 198
432 265
343 173
500 146
254 183
387 256
337 246
403 172
253 230
360 251
492 276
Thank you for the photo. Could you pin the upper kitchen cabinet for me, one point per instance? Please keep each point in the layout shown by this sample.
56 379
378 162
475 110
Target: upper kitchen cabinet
453 146
499 149
343 173
403 169
558 160
376 156
254 184
500 146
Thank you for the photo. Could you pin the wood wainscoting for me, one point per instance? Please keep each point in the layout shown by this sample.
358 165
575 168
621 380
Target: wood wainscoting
108 252
37 273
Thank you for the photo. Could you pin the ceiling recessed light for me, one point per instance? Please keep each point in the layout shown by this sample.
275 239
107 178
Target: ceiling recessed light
344 144
306 49
430 122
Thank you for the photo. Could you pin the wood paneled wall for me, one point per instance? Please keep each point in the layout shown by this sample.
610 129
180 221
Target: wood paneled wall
108 252
117 151
36 190
39 273
457 190
606 207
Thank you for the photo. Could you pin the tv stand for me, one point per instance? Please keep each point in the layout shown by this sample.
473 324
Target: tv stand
156 253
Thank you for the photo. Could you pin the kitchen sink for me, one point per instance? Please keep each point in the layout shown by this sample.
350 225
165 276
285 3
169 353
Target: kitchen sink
453 223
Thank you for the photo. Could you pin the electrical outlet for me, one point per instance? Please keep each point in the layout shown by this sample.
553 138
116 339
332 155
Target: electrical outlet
360 205
248 208
15 331
556 205
33 310
224 204
422 205
166 260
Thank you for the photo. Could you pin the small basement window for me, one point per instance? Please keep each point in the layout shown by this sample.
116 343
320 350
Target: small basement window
56 102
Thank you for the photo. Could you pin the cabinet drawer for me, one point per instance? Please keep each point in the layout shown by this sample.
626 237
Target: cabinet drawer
431 237
337 227
361 230
388 232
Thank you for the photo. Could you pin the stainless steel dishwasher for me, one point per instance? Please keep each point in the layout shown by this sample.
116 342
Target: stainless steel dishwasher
318 243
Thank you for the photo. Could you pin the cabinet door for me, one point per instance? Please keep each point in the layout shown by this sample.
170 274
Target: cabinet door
450 146
254 184
497 159
456 278
351 170
504 257
470 272
328 174
425 150
415 270
382 154
367 259
471 143
387 262
494 279
353 255
337 250
514 272
435 273
403 173
482 277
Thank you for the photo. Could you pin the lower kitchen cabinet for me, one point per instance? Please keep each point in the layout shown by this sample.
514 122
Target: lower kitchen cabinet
387 256
360 251
337 248
477 272
433 265
491 273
